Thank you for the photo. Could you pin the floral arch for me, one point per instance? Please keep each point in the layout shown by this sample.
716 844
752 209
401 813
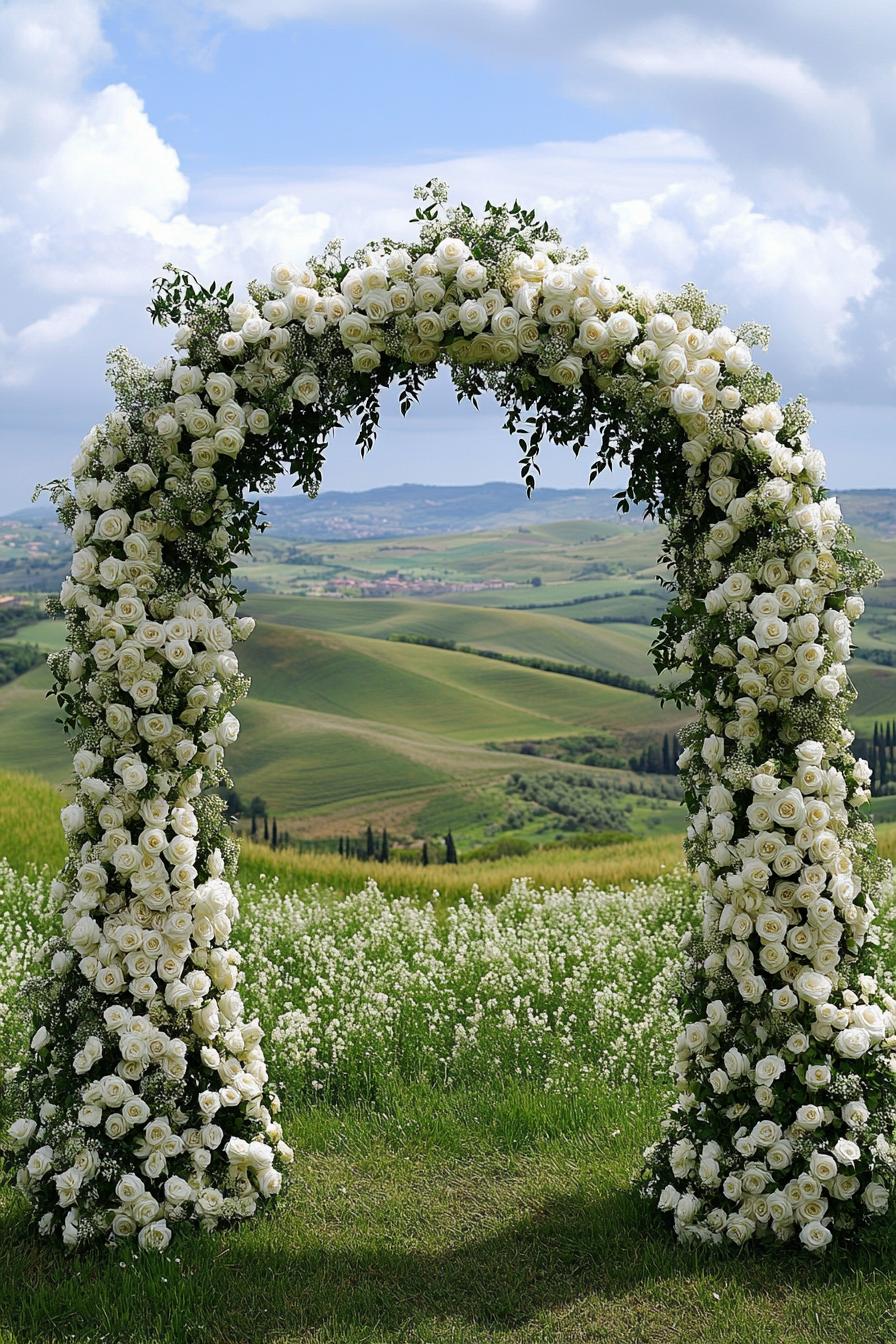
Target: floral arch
145 1100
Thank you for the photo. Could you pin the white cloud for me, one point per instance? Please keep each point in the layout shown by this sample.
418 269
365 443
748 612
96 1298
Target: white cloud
23 353
247 245
681 61
680 52
60 325
99 200
266 13
46 51
113 170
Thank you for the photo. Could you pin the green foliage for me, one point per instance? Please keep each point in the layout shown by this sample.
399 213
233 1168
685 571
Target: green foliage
178 294
502 847
18 658
580 802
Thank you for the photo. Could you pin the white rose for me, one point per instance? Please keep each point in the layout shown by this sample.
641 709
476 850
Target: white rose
713 751
852 1043
365 358
815 1236
687 399
737 587
230 343
855 1114
21 1131
739 1228
268 1181
593 334
622 328
471 274
738 359
449 255
770 631
472 316
112 525
875 1197
72 818
812 987
154 1236
847 1151
567 372
668 1200
769 1069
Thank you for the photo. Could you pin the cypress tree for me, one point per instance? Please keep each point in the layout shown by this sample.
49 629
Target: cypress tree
450 849
267 834
425 856
371 849
274 834
254 830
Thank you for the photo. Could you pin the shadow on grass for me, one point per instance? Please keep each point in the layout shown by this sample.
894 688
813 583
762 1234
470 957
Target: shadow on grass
254 1287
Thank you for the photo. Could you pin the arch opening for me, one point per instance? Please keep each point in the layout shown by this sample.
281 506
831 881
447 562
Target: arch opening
145 1102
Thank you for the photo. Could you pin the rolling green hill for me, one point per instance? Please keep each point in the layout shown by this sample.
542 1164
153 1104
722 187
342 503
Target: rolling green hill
30 739
618 647
347 724
444 693
46 635
341 729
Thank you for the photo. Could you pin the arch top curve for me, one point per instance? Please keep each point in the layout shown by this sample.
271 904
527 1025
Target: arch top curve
570 355
786 1060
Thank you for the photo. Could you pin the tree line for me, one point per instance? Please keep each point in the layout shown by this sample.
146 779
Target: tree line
373 845
582 671
879 750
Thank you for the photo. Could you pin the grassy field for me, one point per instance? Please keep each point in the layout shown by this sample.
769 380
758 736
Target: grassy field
445 693
453 1220
343 729
29 736
465 1142
618 647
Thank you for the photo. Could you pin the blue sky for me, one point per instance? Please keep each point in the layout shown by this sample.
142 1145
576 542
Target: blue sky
748 152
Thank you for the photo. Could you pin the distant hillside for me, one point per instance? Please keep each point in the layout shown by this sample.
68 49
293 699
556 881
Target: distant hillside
342 729
424 510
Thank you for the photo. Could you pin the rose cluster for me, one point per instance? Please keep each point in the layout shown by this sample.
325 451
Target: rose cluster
785 1066
566 316
147 1084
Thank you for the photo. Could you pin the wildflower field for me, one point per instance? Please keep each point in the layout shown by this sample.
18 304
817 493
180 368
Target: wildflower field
469 1076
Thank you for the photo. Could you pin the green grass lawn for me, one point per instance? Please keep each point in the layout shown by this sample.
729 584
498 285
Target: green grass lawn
463 1219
